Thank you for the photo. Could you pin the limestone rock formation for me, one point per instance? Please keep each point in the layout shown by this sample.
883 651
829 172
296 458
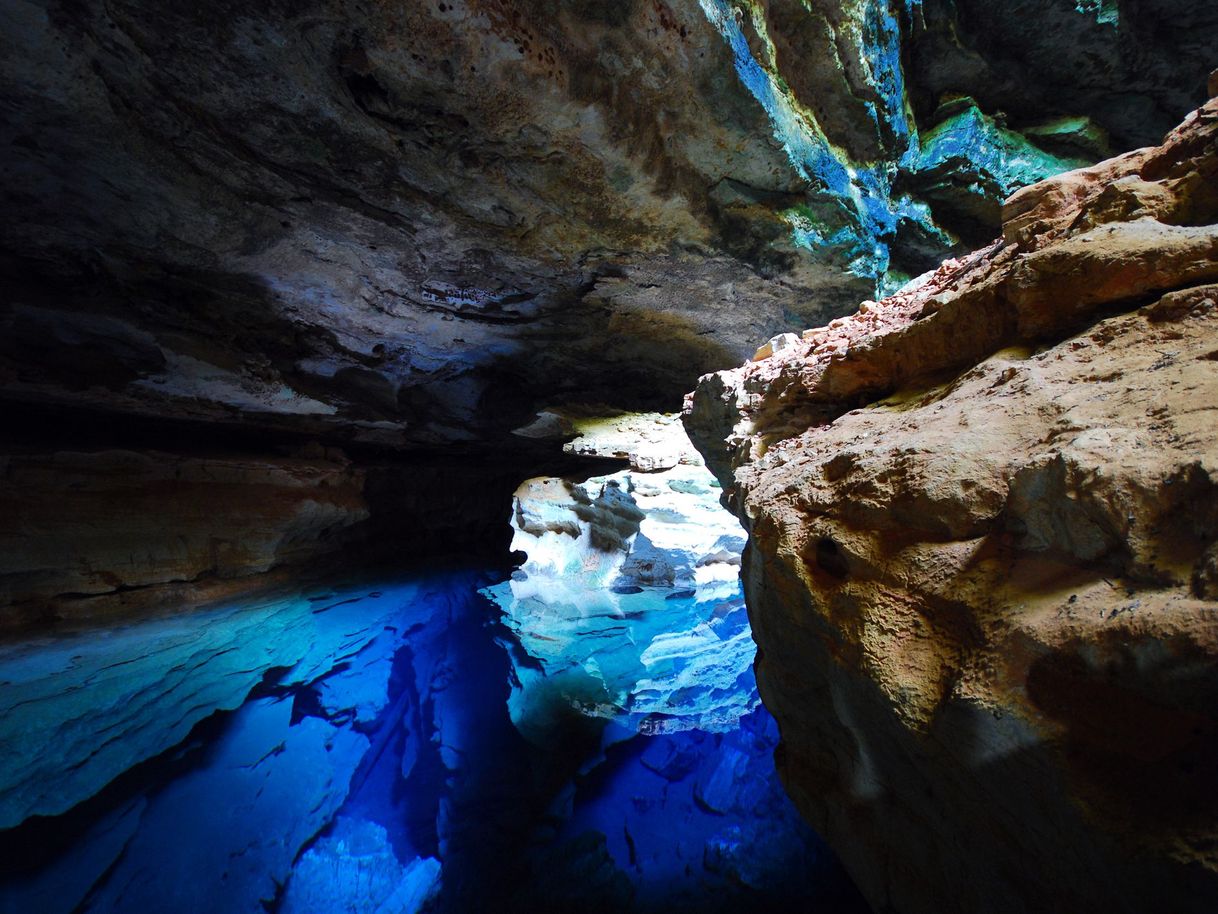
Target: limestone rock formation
394 222
983 525
112 522
295 283
97 532
627 607
399 230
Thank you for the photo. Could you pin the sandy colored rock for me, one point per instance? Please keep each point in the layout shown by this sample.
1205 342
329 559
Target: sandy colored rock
1023 290
981 572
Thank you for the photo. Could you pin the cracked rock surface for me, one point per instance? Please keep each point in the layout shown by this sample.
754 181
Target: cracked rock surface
402 229
411 223
982 518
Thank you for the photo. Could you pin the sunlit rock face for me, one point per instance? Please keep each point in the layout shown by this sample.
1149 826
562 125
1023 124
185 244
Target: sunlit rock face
982 525
628 605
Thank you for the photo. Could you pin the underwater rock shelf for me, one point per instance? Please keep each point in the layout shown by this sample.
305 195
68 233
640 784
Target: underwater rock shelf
589 738
352 751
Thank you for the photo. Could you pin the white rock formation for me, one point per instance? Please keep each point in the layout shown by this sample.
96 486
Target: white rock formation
628 605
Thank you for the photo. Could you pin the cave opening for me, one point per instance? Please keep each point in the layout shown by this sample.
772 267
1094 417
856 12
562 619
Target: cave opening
607 455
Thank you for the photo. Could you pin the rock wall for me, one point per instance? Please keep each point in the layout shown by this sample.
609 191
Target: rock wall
398 231
187 763
983 526
137 526
414 223
95 532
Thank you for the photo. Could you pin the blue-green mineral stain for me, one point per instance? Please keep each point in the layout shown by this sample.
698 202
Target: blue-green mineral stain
969 163
849 206
1104 11
876 219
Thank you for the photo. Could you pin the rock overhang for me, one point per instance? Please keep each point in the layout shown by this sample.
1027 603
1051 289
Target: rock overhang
401 232
403 223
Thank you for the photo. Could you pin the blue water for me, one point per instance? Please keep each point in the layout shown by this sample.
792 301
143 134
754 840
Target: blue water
350 750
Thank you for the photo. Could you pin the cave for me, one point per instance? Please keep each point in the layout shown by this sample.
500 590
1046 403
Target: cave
609 456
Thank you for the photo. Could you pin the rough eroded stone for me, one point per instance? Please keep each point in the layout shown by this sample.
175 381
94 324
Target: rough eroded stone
982 519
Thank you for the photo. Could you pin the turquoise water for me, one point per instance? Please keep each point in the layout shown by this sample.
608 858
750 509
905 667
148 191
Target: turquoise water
351 749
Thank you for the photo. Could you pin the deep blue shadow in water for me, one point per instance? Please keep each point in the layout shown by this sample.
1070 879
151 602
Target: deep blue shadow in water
385 746
399 788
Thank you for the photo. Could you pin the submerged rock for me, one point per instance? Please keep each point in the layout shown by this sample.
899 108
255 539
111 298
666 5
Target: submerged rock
268 787
982 518
355 871
626 629
80 710
351 750
628 606
185 763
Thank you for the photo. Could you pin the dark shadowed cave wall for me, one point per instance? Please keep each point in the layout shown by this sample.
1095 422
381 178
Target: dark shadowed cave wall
383 235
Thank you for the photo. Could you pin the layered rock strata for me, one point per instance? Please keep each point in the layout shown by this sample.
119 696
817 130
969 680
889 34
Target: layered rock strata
132 525
94 531
409 223
396 230
983 534
187 763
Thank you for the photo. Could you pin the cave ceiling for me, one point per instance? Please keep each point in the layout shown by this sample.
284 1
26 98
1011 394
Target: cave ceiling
416 224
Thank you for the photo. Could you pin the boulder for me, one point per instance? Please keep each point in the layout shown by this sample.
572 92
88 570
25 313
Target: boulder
982 518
